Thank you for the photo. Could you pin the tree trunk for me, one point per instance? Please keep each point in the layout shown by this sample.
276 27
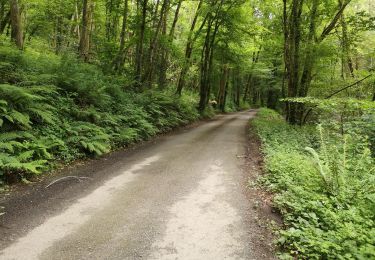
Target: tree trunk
139 53
286 57
16 24
207 58
238 91
189 49
151 61
293 58
222 87
204 68
84 43
5 20
75 30
164 56
347 62
120 59
250 77
309 59
173 27
112 18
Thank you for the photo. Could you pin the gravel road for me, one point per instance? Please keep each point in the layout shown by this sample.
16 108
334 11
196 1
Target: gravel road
180 197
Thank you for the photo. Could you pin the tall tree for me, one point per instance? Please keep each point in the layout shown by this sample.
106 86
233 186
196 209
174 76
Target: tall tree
153 44
189 48
298 70
213 25
164 62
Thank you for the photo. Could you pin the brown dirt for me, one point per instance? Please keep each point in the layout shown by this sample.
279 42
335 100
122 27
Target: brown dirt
267 218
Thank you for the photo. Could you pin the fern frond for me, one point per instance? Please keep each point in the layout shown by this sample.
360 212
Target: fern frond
25 156
15 135
321 169
15 117
46 116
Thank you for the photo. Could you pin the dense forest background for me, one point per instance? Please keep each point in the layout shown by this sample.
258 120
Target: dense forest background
79 78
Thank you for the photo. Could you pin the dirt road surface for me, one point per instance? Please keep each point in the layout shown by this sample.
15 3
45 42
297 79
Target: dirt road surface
182 196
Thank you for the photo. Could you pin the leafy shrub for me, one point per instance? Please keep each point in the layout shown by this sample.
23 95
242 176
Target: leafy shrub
325 189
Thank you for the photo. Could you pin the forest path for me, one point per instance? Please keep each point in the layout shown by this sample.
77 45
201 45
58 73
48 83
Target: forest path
181 197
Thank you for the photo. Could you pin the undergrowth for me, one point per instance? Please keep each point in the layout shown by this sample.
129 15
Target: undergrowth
57 109
324 185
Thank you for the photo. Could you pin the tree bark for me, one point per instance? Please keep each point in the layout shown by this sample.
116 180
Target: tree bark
294 39
222 87
139 52
120 59
84 43
207 58
16 24
5 20
347 62
175 19
309 59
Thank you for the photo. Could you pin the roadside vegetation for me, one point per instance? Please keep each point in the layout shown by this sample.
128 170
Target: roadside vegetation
324 184
58 109
319 147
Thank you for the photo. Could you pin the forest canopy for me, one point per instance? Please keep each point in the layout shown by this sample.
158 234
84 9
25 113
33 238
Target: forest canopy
250 51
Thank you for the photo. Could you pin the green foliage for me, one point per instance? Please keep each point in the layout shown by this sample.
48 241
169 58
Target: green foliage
73 112
325 189
21 152
87 137
344 115
21 106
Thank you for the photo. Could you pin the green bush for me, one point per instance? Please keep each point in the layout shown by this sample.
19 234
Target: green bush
324 185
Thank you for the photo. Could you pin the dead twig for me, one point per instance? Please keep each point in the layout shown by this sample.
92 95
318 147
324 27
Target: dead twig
79 179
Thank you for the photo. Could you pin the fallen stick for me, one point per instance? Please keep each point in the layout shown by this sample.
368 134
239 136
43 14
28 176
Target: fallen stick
79 179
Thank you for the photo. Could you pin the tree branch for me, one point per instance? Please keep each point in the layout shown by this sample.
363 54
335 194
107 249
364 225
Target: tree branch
333 23
334 93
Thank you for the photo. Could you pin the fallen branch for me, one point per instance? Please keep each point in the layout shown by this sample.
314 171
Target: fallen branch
351 85
79 179
334 93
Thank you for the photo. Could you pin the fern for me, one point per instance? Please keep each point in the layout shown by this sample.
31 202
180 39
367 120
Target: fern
15 135
11 163
90 137
18 118
322 168
22 105
95 147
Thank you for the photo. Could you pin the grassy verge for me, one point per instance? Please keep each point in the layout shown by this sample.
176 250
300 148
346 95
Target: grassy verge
54 110
324 187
